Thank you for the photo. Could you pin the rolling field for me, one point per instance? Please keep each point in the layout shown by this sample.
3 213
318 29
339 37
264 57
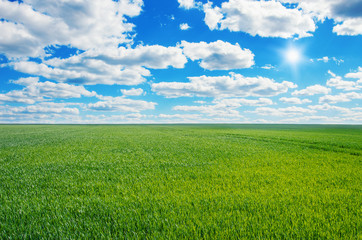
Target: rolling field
180 182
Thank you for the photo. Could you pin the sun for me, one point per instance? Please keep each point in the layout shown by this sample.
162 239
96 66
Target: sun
293 56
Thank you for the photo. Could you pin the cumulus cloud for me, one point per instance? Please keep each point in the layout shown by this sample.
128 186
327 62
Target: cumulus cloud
312 90
184 26
342 97
346 14
83 71
238 102
234 85
132 92
112 66
180 116
226 108
155 56
289 111
294 100
97 27
42 112
115 118
263 18
272 19
187 4
338 82
32 25
45 108
34 91
327 107
218 55
357 75
210 110
120 104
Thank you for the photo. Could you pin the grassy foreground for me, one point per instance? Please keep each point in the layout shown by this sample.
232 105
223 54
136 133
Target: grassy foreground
180 182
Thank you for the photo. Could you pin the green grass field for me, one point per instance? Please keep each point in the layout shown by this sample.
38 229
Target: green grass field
180 182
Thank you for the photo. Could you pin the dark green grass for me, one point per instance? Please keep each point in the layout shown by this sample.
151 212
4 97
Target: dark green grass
180 182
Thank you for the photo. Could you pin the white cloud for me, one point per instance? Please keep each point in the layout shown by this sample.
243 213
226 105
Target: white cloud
213 16
294 100
289 111
357 75
326 59
218 55
225 108
112 66
39 113
32 25
121 104
238 102
268 67
346 14
155 56
263 18
184 26
312 90
83 71
96 26
132 92
115 119
327 107
342 97
210 110
181 116
187 4
339 83
234 85
349 27
34 91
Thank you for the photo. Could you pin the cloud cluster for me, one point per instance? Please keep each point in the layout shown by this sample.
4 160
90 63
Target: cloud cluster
218 55
234 85
83 71
356 75
187 4
45 112
346 14
120 104
279 18
225 108
35 91
338 83
32 25
342 97
111 66
132 92
312 90
154 57
294 100
287 112
263 18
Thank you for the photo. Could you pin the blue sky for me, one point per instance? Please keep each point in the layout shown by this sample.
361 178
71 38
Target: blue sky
181 61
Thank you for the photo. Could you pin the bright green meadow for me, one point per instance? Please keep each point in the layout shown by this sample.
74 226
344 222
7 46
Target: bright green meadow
180 182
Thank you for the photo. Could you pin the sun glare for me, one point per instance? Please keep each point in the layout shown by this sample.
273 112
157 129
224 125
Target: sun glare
293 56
